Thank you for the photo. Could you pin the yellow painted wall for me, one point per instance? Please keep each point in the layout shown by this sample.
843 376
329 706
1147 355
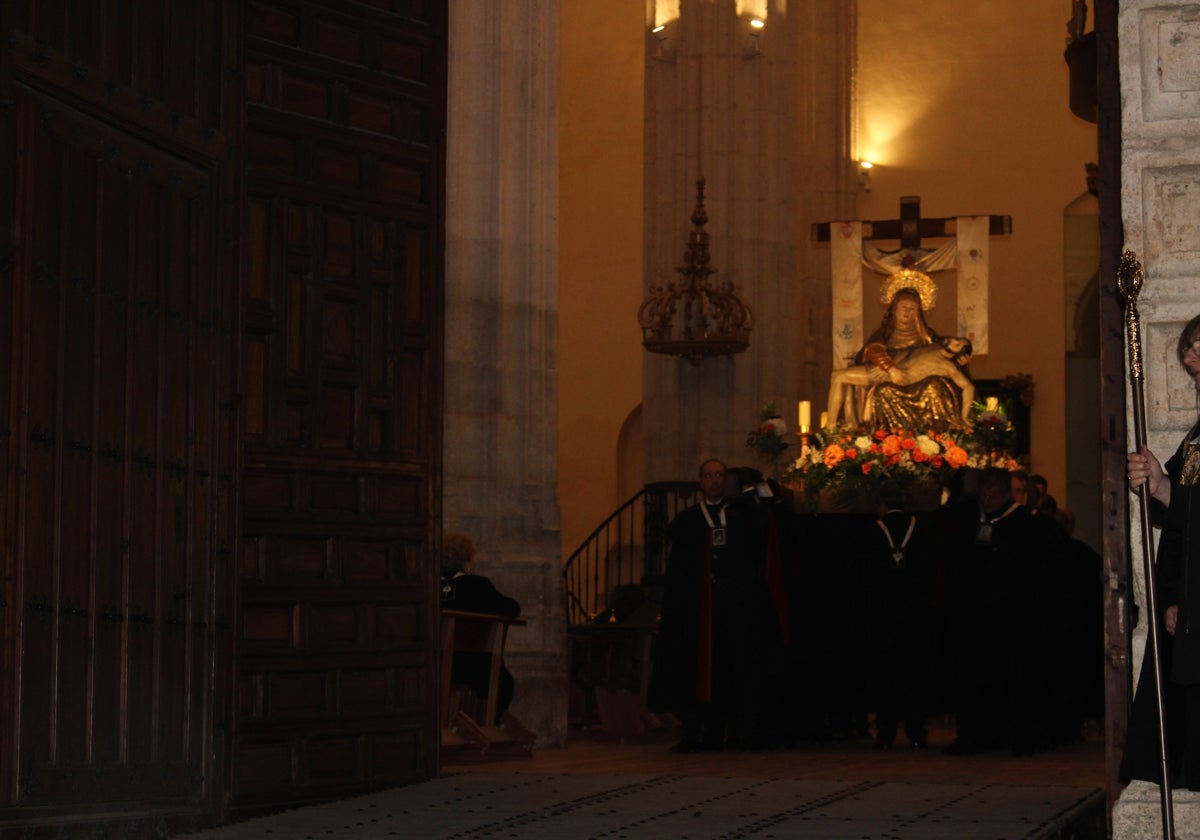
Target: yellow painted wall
600 251
966 105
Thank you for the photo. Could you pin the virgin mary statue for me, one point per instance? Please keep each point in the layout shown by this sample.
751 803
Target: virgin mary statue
906 376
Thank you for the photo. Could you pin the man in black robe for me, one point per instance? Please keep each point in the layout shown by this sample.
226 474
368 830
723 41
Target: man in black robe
996 561
704 659
897 555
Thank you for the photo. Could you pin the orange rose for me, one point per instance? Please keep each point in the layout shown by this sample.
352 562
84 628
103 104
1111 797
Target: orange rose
852 453
891 445
907 443
866 468
957 456
833 455
919 457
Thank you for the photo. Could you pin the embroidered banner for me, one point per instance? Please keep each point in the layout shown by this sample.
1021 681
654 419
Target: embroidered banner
845 241
973 280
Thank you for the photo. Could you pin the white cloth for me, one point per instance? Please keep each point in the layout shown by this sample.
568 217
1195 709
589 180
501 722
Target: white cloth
972 289
927 260
846 253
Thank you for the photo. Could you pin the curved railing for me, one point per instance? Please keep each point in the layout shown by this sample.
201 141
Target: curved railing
628 549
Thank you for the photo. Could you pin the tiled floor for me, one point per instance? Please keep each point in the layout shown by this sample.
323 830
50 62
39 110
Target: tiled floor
603 788
522 804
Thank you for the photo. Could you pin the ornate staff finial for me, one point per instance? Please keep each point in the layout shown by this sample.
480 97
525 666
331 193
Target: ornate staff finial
1129 278
1129 285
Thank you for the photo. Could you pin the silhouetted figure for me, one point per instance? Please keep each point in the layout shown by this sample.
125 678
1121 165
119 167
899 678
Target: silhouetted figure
464 590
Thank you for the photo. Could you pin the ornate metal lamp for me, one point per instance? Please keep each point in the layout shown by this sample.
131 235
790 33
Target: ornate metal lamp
695 317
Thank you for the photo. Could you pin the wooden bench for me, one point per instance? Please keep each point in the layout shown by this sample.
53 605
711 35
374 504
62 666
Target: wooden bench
469 727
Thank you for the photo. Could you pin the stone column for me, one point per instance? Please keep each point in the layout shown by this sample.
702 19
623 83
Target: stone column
767 130
500 450
1160 174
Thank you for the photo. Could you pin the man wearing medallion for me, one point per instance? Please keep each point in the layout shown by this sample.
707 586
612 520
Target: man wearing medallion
897 557
702 672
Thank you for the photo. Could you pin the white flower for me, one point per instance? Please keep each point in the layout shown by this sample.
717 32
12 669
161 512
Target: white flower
928 445
776 425
862 443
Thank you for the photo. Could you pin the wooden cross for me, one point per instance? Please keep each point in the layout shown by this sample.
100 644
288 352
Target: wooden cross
910 228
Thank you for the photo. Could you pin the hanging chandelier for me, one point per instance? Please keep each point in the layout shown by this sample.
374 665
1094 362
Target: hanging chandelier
695 316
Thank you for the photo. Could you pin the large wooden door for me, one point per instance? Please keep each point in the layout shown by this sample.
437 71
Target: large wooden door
118 426
220 406
342 367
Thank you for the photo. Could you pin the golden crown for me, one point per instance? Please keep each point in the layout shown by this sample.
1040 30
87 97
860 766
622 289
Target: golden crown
910 278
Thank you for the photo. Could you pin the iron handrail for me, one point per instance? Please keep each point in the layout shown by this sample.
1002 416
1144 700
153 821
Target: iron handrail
628 548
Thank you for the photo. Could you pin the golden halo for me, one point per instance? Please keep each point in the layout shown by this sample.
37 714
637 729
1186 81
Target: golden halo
910 278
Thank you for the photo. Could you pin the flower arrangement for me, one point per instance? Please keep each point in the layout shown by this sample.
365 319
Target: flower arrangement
853 460
848 460
769 438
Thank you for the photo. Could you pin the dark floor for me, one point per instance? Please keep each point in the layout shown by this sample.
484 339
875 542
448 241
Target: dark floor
590 751
601 787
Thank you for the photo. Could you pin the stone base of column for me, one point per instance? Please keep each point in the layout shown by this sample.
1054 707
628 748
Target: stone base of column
1137 814
540 703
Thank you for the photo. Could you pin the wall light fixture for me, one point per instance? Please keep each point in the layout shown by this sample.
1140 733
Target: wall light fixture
662 46
864 174
753 48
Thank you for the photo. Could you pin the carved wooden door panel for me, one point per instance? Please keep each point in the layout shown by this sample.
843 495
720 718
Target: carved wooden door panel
117 413
342 365
1118 590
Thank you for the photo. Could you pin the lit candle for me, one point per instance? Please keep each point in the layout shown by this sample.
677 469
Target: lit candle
824 419
805 416
993 403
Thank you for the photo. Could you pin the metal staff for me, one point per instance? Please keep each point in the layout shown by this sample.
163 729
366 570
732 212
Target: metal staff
1129 284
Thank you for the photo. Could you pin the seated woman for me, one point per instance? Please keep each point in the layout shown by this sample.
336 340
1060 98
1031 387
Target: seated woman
469 592
915 378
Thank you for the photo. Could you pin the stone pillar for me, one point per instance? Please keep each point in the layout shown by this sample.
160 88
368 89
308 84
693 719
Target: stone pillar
763 118
1160 174
500 448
